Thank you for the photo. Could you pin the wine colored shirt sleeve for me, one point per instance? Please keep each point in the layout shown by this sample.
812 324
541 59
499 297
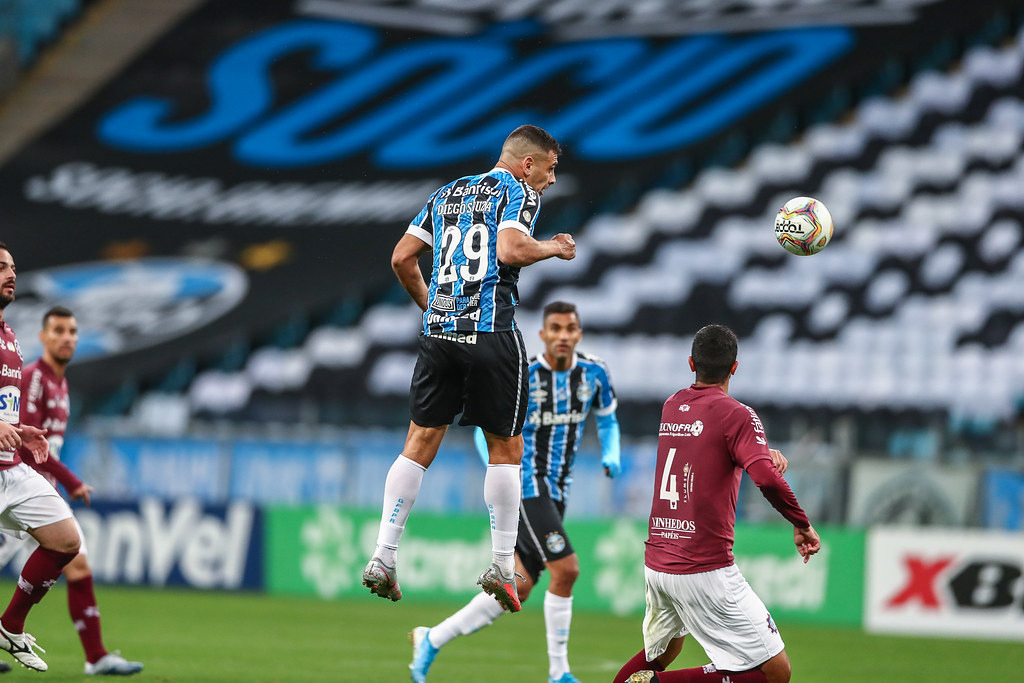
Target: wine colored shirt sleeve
777 492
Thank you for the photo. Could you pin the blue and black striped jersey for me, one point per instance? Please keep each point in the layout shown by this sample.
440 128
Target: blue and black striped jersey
559 405
470 290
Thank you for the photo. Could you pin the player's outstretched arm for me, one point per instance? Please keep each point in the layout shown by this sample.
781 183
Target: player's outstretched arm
608 435
405 261
807 542
765 474
518 249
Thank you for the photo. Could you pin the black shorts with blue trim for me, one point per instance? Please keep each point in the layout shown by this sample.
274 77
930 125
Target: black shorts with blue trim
542 537
483 375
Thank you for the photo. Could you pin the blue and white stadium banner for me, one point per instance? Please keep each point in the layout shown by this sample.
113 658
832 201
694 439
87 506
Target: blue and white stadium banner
349 468
171 543
1003 500
260 159
128 468
945 582
180 543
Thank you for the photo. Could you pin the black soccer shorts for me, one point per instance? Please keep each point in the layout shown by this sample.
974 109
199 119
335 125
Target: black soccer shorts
486 379
542 537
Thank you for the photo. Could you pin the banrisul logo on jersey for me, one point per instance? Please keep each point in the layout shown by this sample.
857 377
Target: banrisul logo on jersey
125 306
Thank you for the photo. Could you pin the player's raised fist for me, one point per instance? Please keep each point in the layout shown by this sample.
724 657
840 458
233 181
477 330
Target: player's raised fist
567 244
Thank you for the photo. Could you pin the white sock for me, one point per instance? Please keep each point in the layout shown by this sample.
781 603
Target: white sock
557 617
481 611
503 491
400 490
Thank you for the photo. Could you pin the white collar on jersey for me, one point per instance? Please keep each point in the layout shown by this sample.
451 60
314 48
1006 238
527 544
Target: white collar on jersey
544 361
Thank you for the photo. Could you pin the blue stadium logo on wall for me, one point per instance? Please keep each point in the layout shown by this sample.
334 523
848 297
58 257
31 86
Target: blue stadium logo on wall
434 121
555 542
128 305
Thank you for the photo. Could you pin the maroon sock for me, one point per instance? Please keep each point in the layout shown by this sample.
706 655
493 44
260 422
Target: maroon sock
708 674
41 571
638 663
85 615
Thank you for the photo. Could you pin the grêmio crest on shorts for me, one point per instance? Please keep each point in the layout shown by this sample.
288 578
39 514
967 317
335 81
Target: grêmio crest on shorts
470 289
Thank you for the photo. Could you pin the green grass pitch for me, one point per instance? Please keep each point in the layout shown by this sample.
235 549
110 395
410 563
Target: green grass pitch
199 636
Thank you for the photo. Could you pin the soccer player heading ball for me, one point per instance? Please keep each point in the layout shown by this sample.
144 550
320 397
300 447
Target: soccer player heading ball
471 354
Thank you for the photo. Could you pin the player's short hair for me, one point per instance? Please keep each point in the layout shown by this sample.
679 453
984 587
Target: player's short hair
713 352
57 312
560 307
531 138
3 245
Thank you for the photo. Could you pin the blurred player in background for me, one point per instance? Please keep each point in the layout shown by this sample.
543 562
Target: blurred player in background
564 386
44 404
706 440
471 354
28 504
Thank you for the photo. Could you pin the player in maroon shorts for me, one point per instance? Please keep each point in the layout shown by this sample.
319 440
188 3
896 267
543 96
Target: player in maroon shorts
44 404
28 504
706 440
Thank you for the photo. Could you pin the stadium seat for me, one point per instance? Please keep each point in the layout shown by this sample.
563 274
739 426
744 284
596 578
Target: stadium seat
900 314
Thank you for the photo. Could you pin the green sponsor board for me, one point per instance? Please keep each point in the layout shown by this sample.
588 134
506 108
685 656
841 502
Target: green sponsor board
828 589
321 551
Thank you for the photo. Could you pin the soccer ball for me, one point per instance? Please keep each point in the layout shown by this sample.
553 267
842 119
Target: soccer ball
803 226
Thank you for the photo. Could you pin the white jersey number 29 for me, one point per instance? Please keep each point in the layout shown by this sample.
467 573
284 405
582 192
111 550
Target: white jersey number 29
474 248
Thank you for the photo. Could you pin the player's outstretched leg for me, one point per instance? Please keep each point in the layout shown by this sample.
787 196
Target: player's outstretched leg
22 646
382 580
423 653
502 587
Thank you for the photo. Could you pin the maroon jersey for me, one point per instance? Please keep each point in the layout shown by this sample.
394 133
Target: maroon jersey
706 440
44 404
10 387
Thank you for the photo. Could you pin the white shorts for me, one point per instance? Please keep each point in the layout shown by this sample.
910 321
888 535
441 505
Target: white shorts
28 501
719 609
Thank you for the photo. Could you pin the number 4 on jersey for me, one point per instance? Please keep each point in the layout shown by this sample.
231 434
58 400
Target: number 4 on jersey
668 482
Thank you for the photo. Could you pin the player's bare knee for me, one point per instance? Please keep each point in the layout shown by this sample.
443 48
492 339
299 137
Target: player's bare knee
777 669
569 573
70 545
